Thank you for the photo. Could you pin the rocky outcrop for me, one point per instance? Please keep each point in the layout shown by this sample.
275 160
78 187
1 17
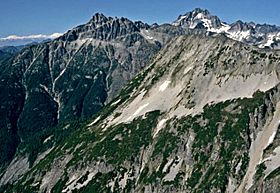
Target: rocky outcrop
188 122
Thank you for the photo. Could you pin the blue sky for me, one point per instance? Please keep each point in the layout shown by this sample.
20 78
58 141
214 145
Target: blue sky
26 17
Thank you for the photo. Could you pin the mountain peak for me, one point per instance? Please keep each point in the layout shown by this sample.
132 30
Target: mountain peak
198 18
98 15
199 10
104 28
242 26
201 20
98 19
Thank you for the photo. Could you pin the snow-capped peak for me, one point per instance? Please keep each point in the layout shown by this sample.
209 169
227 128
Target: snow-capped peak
198 18
256 34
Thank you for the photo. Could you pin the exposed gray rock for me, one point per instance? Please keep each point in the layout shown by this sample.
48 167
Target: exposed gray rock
190 124
192 120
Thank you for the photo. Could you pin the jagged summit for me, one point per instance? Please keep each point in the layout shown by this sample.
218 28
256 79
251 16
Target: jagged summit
99 18
198 11
69 78
104 28
194 13
242 26
261 35
198 21
198 17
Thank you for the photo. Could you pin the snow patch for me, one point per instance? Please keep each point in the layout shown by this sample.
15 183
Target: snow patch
193 25
181 18
164 85
74 185
95 121
47 139
45 88
270 40
167 165
239 35
140 109
271 138
116 102
137 112
159 126
223 29
112 185
60 74
147 35
88 77
199 16
187 69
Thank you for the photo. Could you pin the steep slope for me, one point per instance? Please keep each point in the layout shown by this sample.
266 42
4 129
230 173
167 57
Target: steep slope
189 122
71 77
262 35
11 49
4 56
7 52
75 75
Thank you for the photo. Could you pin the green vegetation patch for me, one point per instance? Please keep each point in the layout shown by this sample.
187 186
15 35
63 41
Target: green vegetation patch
227 130
273 174
260 171
125 140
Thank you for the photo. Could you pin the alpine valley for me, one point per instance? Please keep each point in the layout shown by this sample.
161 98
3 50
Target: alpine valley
116 105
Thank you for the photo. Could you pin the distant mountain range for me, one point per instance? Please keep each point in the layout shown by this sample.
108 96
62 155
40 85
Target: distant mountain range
261 35
14 40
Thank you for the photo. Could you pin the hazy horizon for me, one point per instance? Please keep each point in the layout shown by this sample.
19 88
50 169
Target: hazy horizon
25 18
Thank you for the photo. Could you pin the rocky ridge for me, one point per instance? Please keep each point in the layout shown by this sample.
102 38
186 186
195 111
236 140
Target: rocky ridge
261 35
75 76
222 97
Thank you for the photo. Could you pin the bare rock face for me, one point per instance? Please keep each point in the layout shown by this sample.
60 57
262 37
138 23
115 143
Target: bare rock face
69 78
73 76
269 185
103 28
17 167
120 106
198 118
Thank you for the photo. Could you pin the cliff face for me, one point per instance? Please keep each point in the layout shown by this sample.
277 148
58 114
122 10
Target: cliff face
69 78
121 106
202 116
